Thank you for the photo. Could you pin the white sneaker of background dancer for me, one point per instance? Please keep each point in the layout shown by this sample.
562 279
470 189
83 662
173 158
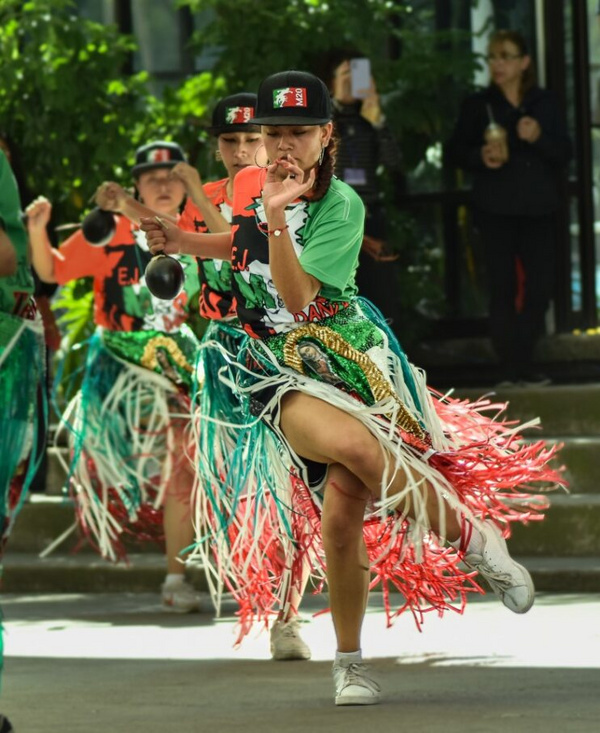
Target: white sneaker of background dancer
510 581
180 597
286 642
353 685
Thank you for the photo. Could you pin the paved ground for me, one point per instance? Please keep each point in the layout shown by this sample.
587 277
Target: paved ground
94 663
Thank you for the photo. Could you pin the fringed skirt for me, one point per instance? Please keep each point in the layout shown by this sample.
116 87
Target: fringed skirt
472 458
22 368
128 426
228 499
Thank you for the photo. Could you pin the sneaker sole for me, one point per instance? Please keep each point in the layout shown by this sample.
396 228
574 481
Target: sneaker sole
349 700
290 657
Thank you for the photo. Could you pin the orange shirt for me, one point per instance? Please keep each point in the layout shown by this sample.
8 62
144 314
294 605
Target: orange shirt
216 298
122 301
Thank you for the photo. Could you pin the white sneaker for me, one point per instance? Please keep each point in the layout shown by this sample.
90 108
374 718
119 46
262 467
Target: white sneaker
180 597
353 686
286 642
510 581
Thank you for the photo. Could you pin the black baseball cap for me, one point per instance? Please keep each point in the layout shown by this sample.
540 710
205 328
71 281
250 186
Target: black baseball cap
293 98
158 154
234 114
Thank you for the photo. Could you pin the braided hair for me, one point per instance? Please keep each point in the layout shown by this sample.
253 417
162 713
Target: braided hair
326 169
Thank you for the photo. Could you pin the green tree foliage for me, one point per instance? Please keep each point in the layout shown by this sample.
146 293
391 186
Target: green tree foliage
63 99
421 72
76 118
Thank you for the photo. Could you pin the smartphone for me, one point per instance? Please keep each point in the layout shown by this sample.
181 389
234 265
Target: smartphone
360 76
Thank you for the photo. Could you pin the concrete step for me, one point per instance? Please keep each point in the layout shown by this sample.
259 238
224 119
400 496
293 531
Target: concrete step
84 573
564 410
571 528
56 475
26 573
579 455
44 518
452 362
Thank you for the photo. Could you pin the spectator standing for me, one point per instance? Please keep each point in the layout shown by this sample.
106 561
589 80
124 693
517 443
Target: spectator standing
512 138
366 146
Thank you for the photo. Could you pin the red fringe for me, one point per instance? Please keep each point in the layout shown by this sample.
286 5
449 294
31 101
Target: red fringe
147 527
492 471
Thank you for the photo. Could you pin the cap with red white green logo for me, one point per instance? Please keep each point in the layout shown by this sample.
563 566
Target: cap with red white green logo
293 98
234 114
157 154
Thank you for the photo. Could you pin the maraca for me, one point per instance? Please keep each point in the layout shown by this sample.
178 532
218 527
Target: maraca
164 276
98 227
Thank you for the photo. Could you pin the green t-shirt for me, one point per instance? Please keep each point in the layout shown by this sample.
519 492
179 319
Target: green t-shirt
333 237
326 236
14 289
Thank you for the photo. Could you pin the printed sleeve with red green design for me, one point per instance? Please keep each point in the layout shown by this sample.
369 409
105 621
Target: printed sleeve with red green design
122 301
216 299
326 236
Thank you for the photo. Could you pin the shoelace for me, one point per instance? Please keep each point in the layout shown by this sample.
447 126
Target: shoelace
290 629
355 674
503 580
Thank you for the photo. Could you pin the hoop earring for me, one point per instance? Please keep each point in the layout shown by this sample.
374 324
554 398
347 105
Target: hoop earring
256 163
218 155
322 154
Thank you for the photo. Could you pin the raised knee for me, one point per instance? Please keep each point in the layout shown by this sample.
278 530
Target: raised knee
357 450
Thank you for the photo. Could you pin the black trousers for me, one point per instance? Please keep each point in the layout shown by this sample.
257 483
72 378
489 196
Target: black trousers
531 239
379 281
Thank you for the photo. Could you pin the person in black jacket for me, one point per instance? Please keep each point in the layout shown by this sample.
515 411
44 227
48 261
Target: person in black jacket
512 138
366 146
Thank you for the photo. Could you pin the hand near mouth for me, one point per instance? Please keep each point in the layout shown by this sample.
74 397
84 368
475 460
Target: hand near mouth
285 183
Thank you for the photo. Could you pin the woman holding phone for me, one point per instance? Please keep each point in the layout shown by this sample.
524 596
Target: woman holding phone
366 144
395 474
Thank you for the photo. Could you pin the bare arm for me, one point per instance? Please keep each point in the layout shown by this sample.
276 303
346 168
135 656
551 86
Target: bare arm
295 286
165 237
111 196
193 186
42 253
8 255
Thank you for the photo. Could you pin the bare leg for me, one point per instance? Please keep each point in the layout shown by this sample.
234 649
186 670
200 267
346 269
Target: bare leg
337 437
296 595
177 524
177 595
177 518
347 563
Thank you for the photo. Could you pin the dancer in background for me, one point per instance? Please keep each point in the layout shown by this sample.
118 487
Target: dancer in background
21 360
208 209
129 423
